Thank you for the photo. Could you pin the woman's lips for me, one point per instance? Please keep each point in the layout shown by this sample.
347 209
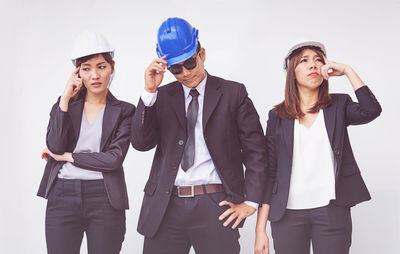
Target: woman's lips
313 74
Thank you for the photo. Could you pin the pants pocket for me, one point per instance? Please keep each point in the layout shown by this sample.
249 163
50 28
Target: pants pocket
216 198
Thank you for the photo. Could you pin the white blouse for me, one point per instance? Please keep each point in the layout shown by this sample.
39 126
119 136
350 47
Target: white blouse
88 142
312 181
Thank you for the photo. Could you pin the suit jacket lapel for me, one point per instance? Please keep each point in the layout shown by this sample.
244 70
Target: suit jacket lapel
111 116
288 131
330 119
75 111
211 98
178 104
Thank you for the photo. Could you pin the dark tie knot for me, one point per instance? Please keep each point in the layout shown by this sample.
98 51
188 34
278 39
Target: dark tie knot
194 93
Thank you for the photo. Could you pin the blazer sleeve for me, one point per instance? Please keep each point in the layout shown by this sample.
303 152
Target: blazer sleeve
59 130
270 140
253 147
366 110
144 134
112 158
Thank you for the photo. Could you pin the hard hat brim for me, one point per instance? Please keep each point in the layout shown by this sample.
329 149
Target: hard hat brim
74 58
180 58
305 44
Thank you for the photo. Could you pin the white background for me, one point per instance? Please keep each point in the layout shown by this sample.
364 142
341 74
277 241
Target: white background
244 40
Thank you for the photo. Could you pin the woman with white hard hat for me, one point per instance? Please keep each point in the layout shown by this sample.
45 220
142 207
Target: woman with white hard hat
87 139
313 176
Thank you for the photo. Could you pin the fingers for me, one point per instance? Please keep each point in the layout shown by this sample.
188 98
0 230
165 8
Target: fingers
226 213
237 222
324 71
325 59
230 219
162 60
332 69
77 84
224 202
76 71
44 156
233 212
74 79
76 87
325 68
157 68
334 73
159 65
261 245
74 84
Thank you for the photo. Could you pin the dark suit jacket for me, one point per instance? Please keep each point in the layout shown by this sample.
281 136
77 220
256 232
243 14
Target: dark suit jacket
62 135
342 112
232 132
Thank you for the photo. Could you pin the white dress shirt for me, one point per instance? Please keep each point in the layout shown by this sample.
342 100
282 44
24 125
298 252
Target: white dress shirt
203 170
312 181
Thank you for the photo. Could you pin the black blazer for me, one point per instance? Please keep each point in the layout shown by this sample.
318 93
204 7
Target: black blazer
232 132
62 135
342 112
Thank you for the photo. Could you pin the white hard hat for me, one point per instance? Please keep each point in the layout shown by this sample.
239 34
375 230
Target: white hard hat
301 45
89 43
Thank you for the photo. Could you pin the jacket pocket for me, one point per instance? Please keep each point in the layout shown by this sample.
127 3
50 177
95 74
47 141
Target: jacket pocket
350 168
150 188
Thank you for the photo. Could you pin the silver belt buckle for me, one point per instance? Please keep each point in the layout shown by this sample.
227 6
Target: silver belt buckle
191 195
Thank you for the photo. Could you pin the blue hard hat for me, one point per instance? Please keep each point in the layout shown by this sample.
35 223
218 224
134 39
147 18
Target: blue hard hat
177 39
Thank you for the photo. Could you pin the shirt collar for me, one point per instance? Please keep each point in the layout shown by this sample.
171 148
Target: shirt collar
200 88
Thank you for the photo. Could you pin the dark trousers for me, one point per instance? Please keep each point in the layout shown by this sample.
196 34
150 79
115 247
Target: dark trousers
194 222
78 206
329 228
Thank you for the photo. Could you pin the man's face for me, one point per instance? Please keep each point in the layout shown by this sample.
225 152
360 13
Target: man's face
191 78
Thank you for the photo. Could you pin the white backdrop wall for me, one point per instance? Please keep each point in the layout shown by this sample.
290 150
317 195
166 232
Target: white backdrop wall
244 40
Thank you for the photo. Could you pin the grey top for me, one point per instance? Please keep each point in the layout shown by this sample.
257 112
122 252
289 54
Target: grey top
88 142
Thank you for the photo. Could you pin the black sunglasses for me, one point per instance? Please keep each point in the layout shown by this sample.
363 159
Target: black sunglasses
189 64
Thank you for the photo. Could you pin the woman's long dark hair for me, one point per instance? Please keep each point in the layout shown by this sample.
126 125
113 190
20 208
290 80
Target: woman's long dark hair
290 107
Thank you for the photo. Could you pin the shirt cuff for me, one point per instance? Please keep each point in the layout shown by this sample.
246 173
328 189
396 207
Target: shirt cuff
252 204
149 98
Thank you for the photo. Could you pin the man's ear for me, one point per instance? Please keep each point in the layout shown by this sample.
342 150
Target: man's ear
203 54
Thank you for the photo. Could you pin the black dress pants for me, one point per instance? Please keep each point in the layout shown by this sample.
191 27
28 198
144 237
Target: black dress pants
328 228
78 206
194 222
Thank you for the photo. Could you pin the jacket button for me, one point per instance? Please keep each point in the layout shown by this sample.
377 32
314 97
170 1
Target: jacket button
167 192
337 152
180 142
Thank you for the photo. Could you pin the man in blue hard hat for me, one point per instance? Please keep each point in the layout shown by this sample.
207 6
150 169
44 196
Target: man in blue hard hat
205 128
